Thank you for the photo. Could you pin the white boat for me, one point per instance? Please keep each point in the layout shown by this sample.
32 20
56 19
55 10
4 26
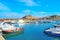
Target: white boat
57 25
21 22
8 28
53 31
45 21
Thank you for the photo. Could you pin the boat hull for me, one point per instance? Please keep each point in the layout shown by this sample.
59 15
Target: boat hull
12 34
12 31
4 32
50 33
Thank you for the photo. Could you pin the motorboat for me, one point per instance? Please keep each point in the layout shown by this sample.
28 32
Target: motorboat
45 21
9 28
55 31
57 25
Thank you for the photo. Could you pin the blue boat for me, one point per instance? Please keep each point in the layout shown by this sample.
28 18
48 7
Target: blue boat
53 31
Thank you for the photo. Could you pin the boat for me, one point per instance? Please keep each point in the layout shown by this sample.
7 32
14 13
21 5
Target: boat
17 30
57 25
35 22
9 28
45 21
55 31
21 22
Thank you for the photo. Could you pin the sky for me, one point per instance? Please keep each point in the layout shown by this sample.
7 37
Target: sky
20 8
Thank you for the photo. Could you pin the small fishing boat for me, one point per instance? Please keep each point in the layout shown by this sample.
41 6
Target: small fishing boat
8 31
53 31
9 28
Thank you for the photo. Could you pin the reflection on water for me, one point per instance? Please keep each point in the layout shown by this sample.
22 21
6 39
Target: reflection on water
18 25
52 37
35 32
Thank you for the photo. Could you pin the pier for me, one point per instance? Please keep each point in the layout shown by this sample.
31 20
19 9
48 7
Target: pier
1 37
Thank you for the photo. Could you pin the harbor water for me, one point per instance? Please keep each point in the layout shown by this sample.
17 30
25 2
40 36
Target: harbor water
35 32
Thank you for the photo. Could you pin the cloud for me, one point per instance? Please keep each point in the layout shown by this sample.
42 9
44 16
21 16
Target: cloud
5 12
11 15
38 13
3 7
26 12
35 13
29 2
42 12
57 13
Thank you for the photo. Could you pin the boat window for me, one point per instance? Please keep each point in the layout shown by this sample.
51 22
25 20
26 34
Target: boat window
16 25
4 23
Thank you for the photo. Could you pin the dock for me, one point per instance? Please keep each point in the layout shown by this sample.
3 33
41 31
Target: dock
1 37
